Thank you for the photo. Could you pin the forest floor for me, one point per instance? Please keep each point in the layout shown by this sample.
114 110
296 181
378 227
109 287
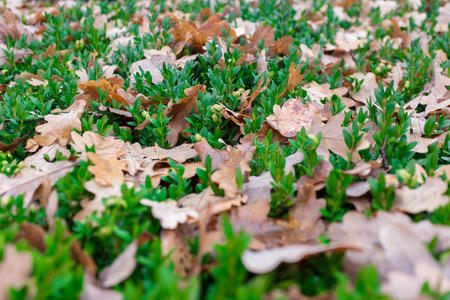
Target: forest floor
224 149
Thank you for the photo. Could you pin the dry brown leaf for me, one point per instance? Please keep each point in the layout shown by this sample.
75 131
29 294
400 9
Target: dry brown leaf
11 147
217 156
58 127
33 234
29 180
104 146
367 90
294 79
179 153
291 117
15 269
106 169
318 92
173 243
124 264
178 111
38 160
264 261
390 241
93 292
427 197
438 96
169 214
100 192
422 143
108 86
84 259
225 176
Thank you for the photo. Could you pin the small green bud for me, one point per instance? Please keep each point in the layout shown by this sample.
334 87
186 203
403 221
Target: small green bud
105 231
407 84
404 175
216 108
79 45
198 137
313 138
215 118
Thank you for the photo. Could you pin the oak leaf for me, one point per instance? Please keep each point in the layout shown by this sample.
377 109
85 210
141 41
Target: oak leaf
291 117
179 110
169 214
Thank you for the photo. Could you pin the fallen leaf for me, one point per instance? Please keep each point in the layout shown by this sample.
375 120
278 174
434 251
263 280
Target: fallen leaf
291 117
390 241
367 89
427 197
294 79
225 176
29 180
178 111
169 214
15 269
58 127
106 169
318 92
264 261
124 264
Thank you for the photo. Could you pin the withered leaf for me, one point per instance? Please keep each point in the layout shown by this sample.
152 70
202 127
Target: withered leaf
15 269
58 127
169 214
123 266
266 260
29 180
106 169
427 197
178 111
291 117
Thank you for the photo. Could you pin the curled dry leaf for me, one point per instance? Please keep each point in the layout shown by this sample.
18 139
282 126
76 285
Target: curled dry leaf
294 79
178 111
33 234
264 261
58 127
427 197
291 117
169 214
29 180
15 269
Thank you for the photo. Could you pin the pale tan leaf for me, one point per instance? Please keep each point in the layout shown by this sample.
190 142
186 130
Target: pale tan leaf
15 269
169 214
427 197
291 117
30 179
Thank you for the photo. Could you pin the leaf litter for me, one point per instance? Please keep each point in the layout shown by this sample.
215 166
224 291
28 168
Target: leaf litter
199 117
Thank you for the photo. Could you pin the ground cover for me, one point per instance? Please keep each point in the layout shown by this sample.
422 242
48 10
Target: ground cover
224 149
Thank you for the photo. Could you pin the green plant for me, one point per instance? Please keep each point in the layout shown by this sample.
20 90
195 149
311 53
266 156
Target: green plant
308 144
283 189
383 196
336 186
367 286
